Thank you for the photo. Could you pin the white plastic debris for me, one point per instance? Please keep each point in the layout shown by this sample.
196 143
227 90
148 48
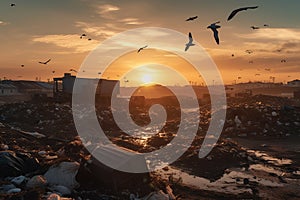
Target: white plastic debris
274 114
18 180
63 174
160 195
237 121
53 196
38 181
14 190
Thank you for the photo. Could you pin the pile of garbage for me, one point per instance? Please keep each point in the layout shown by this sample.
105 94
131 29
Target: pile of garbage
262 116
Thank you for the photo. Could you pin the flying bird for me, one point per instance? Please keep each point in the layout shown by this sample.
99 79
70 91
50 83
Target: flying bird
254 27
283 61
89 39
142 48
22 65
12 4
82 35
191 18
232 55
53 72
249 51
190 43
233 13
266 25
73 70
214 28
45 63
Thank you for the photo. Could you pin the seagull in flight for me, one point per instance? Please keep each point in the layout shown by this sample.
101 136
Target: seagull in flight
254 27
233 13
214 28
12 4
191 18
190 43
45 63
142 48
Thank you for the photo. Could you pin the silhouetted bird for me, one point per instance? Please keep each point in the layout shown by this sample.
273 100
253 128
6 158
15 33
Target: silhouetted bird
266 25
191 18
214 28
89 39
232 55
190 43
53 72
283 61
142 48
249 51
233 13
45 63
22 65
82 35
12 4
254 27
73 70
99 73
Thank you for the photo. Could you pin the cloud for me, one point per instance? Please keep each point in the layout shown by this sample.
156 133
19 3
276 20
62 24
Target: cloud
107 10
104 32
70 41
2 23
273 34
131 21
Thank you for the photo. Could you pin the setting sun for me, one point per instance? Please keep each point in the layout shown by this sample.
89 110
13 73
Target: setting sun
146 79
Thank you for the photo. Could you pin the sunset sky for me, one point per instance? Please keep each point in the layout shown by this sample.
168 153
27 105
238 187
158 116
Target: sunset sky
37 30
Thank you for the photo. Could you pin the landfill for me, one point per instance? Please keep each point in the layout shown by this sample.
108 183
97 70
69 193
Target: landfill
257 156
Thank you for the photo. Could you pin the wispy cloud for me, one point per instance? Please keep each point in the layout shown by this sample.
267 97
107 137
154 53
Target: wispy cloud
2 23
104 32
273 34
70 41
107 10
131 21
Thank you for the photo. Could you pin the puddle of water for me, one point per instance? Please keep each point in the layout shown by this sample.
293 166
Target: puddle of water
226 184
270 159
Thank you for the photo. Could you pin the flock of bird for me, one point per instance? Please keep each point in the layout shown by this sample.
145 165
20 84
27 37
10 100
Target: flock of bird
213 27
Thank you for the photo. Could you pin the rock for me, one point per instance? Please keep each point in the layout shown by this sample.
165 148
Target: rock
18 180
14 190
63 174
61 190
38 181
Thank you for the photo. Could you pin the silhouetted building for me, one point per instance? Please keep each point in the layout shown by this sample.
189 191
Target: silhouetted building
294 83
8 89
